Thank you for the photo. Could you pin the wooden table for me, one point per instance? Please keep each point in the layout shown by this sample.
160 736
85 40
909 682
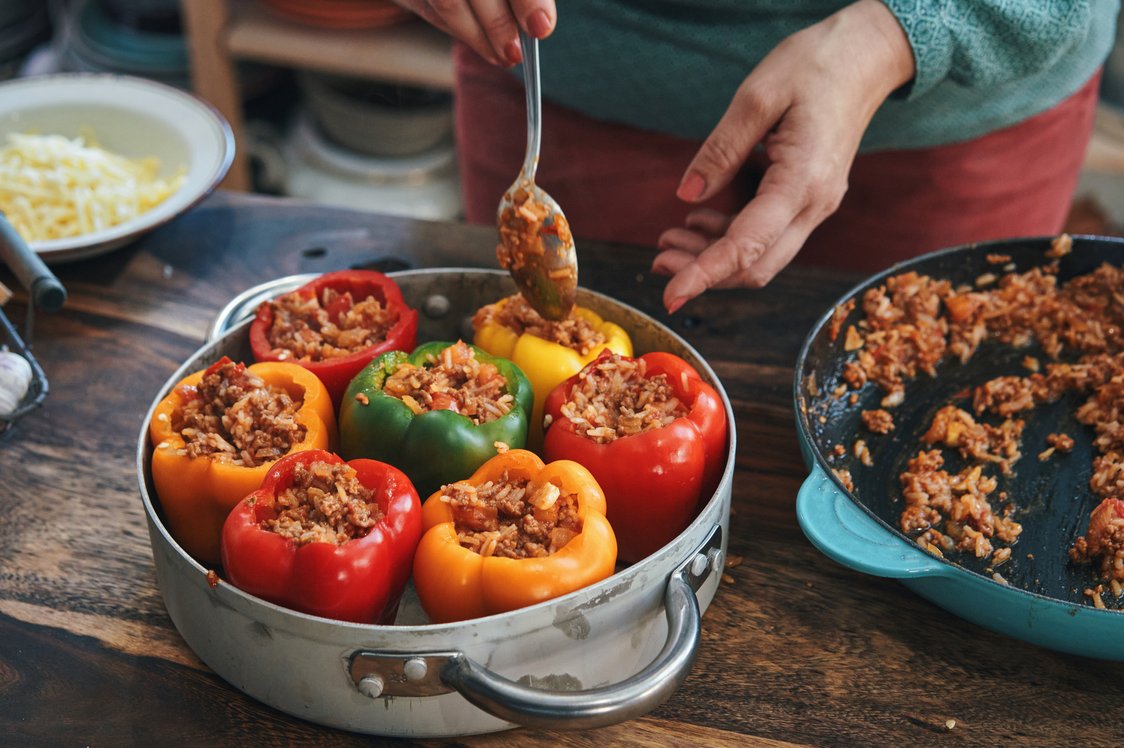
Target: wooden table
795 649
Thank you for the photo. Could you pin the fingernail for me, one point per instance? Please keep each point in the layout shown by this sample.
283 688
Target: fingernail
676 304
513 52
691 188
538 23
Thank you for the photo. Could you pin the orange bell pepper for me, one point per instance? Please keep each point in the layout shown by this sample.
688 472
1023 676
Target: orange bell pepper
455 583
197 493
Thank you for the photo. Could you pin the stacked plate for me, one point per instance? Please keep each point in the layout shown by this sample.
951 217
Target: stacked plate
143 39
315 168
23 25
378 119
339 14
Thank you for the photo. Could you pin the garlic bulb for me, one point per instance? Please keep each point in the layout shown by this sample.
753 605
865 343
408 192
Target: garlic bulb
15 378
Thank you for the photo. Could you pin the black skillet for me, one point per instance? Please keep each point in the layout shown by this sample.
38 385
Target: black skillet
1039 594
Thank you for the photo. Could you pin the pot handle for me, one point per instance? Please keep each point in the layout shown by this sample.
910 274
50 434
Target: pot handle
598 707
845 533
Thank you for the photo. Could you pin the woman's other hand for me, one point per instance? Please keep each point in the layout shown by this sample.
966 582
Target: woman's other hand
807 104
490 27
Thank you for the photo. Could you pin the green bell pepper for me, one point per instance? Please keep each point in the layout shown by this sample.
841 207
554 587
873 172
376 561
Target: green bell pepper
438 445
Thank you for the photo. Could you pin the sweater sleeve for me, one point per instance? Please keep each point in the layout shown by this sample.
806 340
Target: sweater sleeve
987 42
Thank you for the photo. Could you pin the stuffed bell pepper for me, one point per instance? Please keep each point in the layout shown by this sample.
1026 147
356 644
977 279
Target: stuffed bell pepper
436 413
322 536
548 352
335 325
216 435
653 434
515 533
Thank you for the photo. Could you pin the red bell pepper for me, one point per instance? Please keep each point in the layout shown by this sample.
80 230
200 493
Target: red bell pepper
358 580
653 480
337 293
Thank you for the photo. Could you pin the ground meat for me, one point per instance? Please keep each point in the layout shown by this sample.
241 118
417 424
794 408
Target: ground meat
616 398
310 328
878 421
954 427
952 511
521 225
1004 396
514 313
1103 542
234 416
325 503
454 380
512 517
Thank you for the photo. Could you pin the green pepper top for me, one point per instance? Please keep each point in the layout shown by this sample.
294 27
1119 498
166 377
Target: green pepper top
435 446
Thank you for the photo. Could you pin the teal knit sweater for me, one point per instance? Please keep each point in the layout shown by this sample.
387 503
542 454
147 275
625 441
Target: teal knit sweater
673 65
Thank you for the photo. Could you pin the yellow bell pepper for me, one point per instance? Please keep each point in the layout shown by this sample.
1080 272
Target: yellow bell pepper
547 364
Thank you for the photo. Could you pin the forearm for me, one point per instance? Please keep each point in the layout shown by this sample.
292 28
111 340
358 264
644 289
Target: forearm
988 42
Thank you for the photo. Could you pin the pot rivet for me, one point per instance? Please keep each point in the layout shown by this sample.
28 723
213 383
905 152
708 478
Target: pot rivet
415 669
698 565
371 685
437 306
717 561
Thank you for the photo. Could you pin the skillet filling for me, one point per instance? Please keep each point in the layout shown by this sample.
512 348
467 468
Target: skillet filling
913 322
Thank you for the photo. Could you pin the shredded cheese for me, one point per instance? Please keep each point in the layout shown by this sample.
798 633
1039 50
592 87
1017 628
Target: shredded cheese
54 187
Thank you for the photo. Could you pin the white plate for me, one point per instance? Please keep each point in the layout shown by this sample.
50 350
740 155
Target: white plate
133 117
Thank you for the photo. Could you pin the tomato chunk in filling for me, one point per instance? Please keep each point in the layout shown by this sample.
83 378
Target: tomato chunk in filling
453 380
308 327
616 398
325 503
512 517
514 313
234 416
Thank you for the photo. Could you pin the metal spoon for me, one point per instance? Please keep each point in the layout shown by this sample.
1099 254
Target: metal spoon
536 246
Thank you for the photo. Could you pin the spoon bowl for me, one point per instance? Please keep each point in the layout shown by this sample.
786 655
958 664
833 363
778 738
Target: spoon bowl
536 246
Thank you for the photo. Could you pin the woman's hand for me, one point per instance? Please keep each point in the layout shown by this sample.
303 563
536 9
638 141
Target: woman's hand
807 103
490 27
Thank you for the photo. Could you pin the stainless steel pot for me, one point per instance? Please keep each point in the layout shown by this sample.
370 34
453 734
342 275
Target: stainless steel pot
601 655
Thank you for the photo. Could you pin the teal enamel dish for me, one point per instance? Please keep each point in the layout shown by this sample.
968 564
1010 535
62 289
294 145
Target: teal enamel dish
1039 594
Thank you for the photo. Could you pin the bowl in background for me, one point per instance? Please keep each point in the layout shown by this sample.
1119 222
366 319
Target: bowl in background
378 119
132 117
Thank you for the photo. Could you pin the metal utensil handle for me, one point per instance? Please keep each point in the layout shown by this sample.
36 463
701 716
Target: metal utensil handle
598 707
534 103
47 293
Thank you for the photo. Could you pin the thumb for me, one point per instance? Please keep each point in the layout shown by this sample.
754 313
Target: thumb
750 115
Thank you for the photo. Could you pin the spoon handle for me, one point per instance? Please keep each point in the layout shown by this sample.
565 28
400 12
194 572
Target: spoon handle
534 103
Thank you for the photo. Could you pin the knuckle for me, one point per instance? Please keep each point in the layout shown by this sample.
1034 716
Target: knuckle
498 25
721 153
444 8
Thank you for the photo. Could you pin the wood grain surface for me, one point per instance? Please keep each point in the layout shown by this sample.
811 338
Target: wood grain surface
795 648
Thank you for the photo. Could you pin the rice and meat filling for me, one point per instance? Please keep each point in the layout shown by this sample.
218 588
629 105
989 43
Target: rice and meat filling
913 322
1103 543
308 327
616 398
325 503
517 315
511 517
455 380
234 416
